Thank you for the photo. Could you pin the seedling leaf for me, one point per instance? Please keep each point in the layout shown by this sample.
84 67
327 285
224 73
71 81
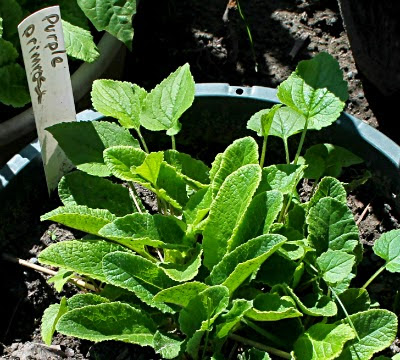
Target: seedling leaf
50 318
262 121
388 248
287 122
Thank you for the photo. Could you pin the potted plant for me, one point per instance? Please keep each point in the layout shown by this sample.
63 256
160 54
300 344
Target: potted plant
199 275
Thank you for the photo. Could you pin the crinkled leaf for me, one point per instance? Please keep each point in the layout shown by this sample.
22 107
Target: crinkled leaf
287 122
335 265
388 248
229 320
331 226
327 160
150 168
144 229
241 152
354 300
216 164
61 278
269 276
260 215
181 294
272 307
108 321
166 346
331 187
246 259
120 100
323 341
50 318
235 194
282 177
78 188
168 101
80 217
253 354
376 329
114 17
81 256
79 43
262 120
8 53
195 172
138 275
84 142
81 300
14 87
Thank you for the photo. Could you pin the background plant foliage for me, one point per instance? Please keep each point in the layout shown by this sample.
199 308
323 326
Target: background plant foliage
233 253
113 17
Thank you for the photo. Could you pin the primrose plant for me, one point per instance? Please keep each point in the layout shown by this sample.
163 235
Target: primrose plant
232 255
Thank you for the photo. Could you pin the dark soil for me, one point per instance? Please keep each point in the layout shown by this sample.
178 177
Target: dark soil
215 43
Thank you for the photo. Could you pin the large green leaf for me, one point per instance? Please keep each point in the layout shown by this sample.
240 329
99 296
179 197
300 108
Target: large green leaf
11 14
138 275
316 90
78 188
354 300
246 259
181 294
272 307
120 100
14 88
108 321
241 152
269 276
50 318
81 300
79 43
323 341
331 226
84 142
8 53
282 177
335 265
235 194
331 187
165 104
144 229
80 217
113 16
388 248
150 168
376 330
81 256
287 122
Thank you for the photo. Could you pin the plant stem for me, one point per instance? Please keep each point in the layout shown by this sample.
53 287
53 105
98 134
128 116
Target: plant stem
173 142
303 135
285 143
132 193
269 349
263 151
372 278
263 332
142 141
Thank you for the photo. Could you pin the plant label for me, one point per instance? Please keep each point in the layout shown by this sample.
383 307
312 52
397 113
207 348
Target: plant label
46 63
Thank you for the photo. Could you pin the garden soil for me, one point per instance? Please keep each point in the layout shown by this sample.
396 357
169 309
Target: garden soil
212 37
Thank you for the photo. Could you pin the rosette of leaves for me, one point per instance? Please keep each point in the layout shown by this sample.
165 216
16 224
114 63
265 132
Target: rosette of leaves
113 17
231 255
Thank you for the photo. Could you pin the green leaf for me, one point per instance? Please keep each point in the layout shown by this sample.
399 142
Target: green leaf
144 229
11 14
388 248
272 307
376 329
246 259
81 300
1 27
316 90
120 160
71 12
215 166
260 215
84 142
78 188
166 346
241 152
14 88
335 265
202 310
138 275
354 300
50 318
328 160
313 304
8 53
186 271
80 217
329 187
229 320
331 226
253 354
287 122
323 341
282 177
108 321
168 101
195 172
181 294
197 207
61 278
114 17
235 194
262 120
268 274
150 168
79 43
81 256
120 100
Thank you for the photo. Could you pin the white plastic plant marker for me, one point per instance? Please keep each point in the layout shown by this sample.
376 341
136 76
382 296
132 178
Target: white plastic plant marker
46 64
